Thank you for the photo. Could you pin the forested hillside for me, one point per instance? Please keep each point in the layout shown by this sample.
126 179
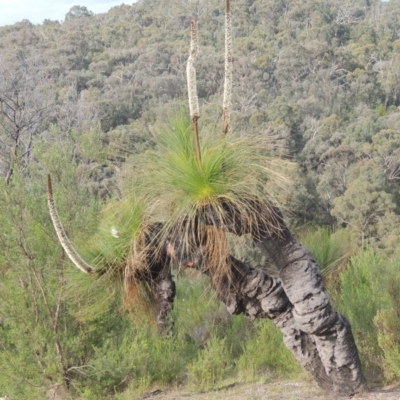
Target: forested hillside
82 98
321 78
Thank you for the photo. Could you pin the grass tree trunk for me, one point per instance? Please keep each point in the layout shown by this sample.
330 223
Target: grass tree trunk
312 311
165 295
258 295
302 283
159 275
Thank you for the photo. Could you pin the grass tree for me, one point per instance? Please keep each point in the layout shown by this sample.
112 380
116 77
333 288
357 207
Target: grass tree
196 192
228 192
124 259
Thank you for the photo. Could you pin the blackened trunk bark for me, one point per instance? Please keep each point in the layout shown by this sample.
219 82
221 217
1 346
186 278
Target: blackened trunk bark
258 295
160 277
303 285
165 294
313 312
304 348
262 296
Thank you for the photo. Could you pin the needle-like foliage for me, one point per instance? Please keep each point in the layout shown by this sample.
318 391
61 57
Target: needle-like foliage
195 187
118 235
119 254
331 250
188 197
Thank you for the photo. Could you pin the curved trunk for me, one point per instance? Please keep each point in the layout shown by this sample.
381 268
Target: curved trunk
303 285
312 309
258 295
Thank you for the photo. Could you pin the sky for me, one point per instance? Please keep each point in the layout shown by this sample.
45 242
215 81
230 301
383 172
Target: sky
12 11
36 11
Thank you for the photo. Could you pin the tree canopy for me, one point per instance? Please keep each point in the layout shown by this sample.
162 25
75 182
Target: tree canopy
320 78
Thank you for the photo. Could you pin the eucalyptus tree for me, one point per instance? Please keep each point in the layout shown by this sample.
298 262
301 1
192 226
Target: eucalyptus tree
25 99
78 12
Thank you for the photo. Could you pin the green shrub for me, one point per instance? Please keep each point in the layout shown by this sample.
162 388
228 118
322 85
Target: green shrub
42 345
211 365
196 307
363 293
264 351
331 250
388 324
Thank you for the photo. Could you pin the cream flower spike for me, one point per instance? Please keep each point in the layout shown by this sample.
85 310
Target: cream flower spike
192 89
227 102
62 236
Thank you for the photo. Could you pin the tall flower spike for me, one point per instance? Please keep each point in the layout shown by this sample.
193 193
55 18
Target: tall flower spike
62 236
192 89
228 68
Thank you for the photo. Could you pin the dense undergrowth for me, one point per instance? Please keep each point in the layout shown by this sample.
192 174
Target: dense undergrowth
59 331
364 285
208 348
320 79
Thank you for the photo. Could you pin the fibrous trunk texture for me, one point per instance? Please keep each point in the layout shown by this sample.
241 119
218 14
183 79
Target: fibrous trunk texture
312 310
165 294
313 314
159 275
258 295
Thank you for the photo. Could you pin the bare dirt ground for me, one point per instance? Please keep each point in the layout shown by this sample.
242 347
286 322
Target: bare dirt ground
279 390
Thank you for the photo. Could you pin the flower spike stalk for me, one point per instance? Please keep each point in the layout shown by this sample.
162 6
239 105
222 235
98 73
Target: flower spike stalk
228 68
192 89
62 236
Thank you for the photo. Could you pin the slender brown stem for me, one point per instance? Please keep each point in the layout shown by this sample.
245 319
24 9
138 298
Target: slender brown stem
196 140
225 122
